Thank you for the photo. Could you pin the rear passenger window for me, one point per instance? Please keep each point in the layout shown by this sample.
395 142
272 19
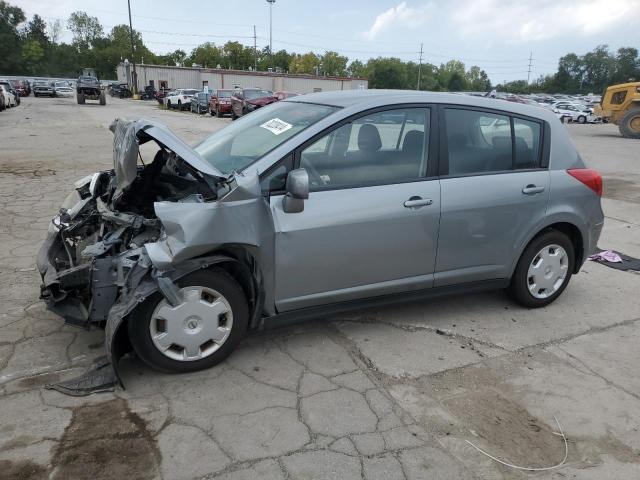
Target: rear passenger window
481 142
478 142
527 135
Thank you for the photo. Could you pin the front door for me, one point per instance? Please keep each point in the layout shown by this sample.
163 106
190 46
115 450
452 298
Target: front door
370 225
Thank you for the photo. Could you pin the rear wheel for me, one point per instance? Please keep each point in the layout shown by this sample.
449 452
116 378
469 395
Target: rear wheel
169 104
80 98
199 332
103 100
630 124
180 105
544 270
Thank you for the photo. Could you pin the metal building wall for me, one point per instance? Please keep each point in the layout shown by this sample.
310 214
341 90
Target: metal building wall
181 77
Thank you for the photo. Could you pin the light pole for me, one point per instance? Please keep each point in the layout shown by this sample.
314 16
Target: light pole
133 61
271 2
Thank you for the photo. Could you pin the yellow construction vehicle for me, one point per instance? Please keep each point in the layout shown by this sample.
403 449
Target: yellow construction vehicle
620 105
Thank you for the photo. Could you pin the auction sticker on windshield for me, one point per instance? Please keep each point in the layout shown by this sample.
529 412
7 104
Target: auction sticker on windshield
276 126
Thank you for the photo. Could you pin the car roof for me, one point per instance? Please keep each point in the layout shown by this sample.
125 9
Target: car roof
373 98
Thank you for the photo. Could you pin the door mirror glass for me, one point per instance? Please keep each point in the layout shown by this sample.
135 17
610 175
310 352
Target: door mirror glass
297 188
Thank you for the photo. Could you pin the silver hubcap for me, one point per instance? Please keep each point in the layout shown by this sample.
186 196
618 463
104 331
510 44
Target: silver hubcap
548 271
194 329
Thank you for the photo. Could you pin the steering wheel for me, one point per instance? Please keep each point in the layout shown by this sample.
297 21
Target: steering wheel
314 177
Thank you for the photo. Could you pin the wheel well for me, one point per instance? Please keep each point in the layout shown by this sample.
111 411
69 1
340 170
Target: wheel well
571 231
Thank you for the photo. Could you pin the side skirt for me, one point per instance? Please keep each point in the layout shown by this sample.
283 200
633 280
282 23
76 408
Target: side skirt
296 316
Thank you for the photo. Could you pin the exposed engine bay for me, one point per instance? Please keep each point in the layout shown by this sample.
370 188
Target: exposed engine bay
126 233
101 222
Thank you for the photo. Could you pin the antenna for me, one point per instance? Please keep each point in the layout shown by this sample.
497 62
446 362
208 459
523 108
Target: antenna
419 68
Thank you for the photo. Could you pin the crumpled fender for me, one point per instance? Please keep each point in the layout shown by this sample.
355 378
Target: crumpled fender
148 285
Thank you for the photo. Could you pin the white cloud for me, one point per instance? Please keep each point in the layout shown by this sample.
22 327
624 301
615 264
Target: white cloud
398 16
516 21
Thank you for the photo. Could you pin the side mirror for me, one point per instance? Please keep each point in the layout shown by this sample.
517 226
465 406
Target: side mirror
297 188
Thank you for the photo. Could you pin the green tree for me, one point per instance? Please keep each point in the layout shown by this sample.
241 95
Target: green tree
207 55
386 73
627 65
357 69
599 68
306 63
10 18
85 29
236 56
334 64
31 55
478 80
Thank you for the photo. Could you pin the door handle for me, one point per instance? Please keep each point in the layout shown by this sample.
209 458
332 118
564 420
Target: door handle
532 189
417 202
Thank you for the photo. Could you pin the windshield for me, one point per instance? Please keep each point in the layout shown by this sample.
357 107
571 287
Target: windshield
246 140
224 93
250 94
190 92
62 84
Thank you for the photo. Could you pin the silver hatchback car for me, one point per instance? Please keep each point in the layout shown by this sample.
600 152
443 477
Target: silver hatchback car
317 204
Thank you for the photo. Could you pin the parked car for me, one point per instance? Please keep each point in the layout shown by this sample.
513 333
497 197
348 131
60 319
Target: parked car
3 100
42 88
9 98
22 87
149 93
11 88
281 95
162 94
62 89
181 98
576 113
328 202
200 102
220 102
246 100
120 90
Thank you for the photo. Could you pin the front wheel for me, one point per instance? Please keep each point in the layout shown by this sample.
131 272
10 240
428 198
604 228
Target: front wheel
630 124
544 270
179 105
199 332
582 119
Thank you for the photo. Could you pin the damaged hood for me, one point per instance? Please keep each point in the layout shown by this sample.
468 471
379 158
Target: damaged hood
128 135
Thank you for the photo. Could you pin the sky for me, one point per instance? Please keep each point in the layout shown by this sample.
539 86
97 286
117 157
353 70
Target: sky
499 36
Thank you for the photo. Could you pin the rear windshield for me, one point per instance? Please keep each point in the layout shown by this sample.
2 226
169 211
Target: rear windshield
257 93
191 92
224 93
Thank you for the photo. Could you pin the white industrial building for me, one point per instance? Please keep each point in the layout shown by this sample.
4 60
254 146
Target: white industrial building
162 76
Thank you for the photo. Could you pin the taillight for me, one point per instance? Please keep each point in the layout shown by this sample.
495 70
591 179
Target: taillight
589 177
184 97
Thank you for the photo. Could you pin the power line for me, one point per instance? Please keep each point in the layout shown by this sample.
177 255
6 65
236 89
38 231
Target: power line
529 70
419 68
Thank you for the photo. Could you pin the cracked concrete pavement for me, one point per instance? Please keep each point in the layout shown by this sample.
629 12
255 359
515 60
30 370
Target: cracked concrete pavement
387 393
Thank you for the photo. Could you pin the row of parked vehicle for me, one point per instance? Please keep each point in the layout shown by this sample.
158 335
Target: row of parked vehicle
569 108
234 102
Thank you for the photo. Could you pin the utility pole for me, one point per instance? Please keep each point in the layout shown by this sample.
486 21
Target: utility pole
133 61
419 68
255 50
271 2
529 71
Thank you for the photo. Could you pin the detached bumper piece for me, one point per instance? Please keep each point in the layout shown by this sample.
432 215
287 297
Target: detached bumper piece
101 378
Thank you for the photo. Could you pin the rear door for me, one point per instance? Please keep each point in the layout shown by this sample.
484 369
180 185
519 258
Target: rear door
495 191
370 225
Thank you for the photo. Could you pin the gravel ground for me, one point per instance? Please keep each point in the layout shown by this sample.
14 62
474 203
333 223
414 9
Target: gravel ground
385 393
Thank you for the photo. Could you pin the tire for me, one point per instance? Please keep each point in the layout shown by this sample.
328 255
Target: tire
143 321
523 285
630 124
212 112
103 100
582 119
180 105
218 113
169 104
80 98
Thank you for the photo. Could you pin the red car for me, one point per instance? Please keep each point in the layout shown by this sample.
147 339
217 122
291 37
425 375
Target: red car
22 87
220 102
246 100
283 95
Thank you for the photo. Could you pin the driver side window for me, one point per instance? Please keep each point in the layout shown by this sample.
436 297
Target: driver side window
384 147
